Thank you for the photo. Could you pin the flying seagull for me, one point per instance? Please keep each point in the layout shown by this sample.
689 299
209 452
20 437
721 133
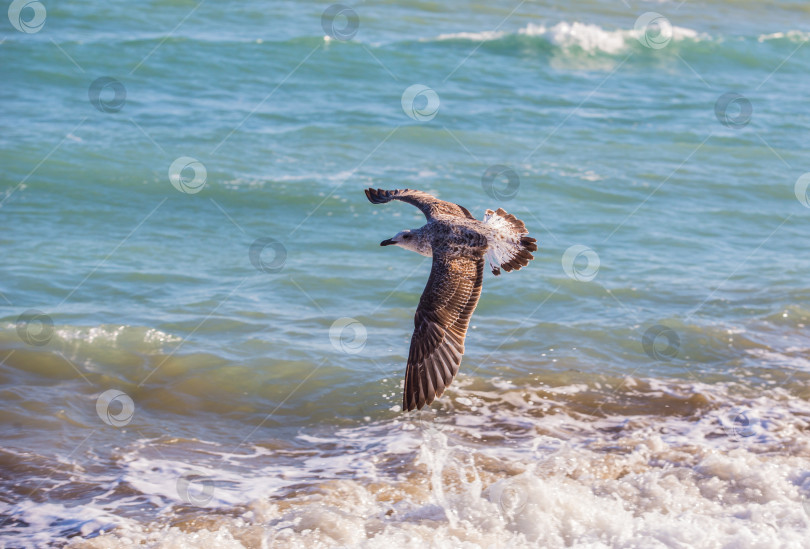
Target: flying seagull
459 245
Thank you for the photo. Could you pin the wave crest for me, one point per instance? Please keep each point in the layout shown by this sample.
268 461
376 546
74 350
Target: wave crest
567 35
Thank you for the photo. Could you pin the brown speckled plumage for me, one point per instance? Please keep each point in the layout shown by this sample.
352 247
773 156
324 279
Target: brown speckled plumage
460 246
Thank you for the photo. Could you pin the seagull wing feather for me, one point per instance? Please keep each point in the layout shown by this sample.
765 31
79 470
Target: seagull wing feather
427 203
440 326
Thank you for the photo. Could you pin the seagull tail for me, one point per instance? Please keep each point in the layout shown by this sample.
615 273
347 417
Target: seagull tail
508 246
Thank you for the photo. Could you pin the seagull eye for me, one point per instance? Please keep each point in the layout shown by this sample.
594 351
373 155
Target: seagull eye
406 236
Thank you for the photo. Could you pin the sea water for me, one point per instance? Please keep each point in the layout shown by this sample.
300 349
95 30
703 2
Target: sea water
202 343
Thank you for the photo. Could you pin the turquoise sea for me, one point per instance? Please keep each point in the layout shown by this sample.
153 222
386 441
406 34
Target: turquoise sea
202 344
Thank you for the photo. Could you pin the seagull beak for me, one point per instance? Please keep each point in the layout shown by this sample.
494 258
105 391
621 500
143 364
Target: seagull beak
388 242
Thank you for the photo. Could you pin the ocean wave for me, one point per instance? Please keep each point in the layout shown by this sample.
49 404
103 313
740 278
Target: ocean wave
111 334
587 37
795 36
492 468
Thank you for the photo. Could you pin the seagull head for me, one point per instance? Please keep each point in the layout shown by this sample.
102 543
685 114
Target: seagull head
400 239
410 240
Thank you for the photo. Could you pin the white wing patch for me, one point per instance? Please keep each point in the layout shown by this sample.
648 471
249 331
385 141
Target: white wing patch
504 243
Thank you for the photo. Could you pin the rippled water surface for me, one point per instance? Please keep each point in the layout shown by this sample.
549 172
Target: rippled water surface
202 343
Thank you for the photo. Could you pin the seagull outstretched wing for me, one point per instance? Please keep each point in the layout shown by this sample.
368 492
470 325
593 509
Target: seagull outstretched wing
430 205
441 322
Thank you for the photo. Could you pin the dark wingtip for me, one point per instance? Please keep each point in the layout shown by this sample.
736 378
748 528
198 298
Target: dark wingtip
529 243
411 402
373 195
377 196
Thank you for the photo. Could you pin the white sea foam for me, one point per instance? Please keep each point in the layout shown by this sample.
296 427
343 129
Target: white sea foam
111 333
588 37
798 362
591 38
476 36
47 521
732 474
792 35
106 334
